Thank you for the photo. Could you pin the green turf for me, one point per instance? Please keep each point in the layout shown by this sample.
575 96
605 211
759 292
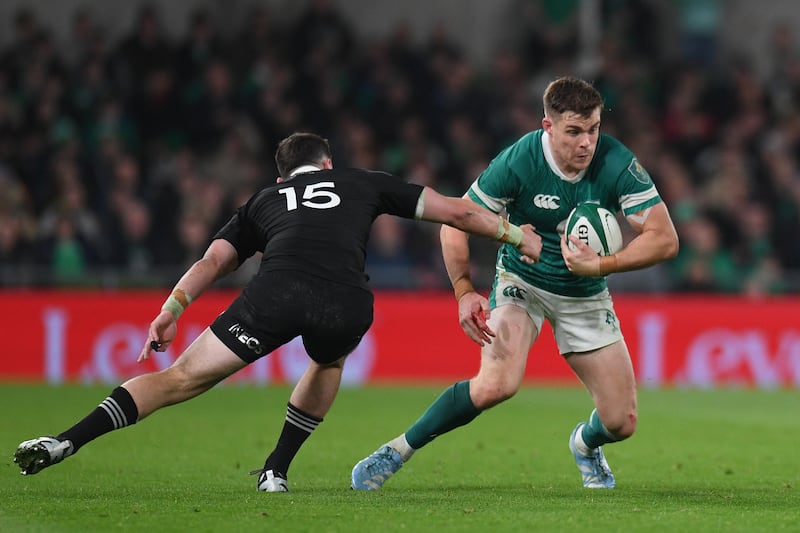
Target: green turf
701 461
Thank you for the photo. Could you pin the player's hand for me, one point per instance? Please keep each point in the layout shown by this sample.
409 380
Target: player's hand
582 262
531 244
473 312
162 332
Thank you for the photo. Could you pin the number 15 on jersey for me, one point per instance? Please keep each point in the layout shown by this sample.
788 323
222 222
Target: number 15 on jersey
315 196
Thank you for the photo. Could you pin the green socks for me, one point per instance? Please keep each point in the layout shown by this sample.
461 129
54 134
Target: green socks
594 433
452 409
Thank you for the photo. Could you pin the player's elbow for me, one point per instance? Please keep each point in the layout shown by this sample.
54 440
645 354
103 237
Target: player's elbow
664 245
221 258
671 246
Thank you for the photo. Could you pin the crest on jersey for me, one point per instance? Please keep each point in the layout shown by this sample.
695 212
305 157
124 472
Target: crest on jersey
639 172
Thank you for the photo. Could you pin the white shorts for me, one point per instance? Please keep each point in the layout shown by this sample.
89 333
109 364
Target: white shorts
580 324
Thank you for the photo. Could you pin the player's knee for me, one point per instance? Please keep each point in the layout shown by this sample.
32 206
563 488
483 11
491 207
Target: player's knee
183 384
485 395
622 425
338 363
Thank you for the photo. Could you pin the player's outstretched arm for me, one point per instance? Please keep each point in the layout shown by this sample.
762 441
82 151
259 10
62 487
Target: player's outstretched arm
468 216
220 259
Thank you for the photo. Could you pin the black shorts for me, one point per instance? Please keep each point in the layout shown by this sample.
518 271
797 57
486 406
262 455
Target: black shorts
331 318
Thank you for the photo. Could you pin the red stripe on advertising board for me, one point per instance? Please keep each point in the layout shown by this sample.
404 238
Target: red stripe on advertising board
693 341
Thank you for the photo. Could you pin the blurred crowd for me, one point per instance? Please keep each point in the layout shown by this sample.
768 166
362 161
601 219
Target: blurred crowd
120 158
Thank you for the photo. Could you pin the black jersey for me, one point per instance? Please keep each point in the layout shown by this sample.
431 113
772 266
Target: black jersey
318 222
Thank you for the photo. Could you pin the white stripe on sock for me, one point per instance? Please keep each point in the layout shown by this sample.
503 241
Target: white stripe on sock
111 414
301 421
115 412
113 403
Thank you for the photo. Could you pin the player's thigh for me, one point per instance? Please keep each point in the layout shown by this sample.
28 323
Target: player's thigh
608 375
252 330
503 361
206 361
582 324
334 326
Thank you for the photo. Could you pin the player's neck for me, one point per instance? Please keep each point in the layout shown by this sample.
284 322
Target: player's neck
303 169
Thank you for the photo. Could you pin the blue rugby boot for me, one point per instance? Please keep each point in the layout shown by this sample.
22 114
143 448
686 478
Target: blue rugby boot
594 468
373 471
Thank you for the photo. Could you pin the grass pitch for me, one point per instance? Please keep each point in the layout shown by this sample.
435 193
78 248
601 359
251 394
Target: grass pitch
723 460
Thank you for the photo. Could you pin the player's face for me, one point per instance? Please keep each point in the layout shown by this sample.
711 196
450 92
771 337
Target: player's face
573 139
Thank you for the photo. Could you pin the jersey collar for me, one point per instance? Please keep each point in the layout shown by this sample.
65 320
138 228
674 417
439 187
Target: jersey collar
551 161
302 169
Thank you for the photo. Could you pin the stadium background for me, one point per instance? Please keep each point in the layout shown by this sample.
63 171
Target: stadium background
129 131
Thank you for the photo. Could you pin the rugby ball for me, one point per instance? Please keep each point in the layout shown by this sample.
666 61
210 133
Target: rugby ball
597 227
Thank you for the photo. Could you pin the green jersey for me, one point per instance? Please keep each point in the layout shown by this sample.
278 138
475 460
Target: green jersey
525 181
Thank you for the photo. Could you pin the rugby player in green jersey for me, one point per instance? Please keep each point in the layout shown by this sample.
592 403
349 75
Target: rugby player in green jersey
538 180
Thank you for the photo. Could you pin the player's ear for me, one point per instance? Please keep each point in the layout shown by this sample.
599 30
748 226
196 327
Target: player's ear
327 164
279 180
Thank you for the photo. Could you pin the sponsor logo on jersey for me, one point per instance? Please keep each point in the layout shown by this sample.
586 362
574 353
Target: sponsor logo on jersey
547 201
639 172
245 338
514 292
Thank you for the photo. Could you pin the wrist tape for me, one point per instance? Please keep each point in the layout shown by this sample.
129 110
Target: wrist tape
462 286
177 303
507 232
607 265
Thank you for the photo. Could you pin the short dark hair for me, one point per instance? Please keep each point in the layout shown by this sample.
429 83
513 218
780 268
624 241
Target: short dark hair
300 149
571 94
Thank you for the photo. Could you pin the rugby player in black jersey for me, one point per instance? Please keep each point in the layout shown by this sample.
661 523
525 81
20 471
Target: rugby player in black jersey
312 227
